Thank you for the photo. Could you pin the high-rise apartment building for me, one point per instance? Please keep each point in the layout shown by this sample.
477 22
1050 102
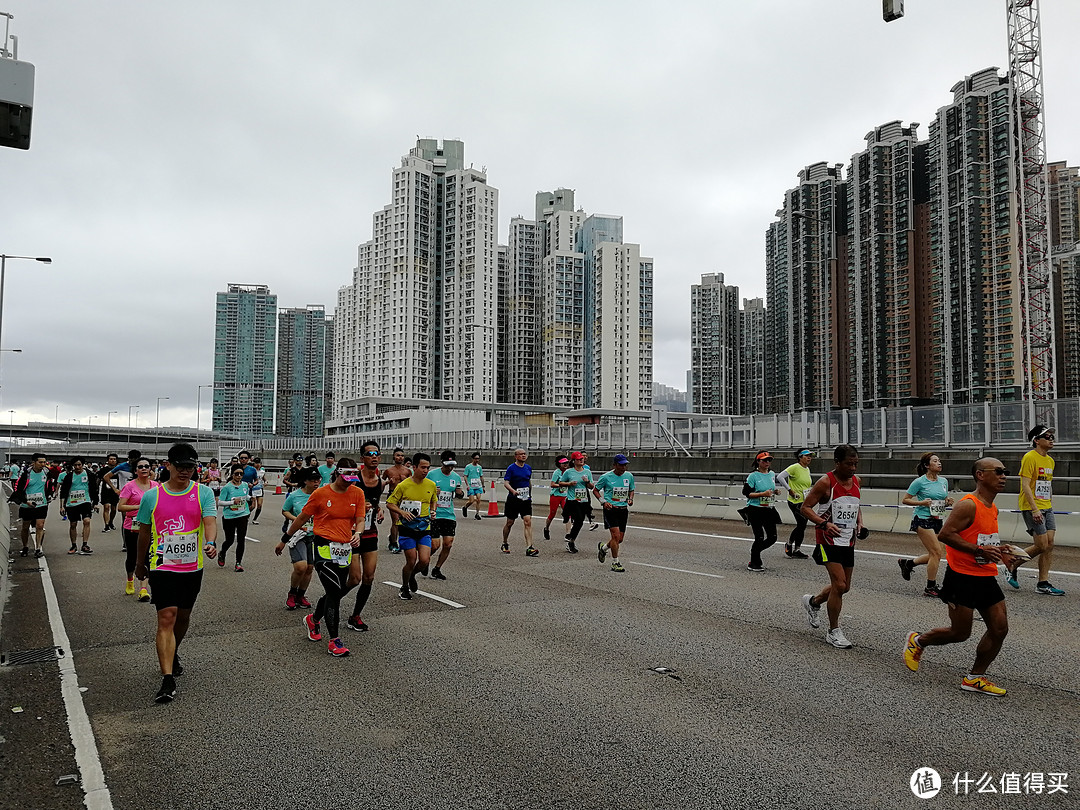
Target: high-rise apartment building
301 371
620 336
752 354
887 271
975 315
245 341
1064 191
714 345
502 387
424 289
521 337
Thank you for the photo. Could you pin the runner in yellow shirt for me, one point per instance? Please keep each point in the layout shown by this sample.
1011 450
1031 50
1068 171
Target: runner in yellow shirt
1036 495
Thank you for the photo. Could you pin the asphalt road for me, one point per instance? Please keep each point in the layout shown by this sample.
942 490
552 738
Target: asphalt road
540 691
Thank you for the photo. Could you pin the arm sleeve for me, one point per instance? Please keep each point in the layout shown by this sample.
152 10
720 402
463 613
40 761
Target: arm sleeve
206 502
782 478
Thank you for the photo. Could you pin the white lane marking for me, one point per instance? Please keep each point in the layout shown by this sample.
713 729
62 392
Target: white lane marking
428 595
677 570
97 796
857 551
253 540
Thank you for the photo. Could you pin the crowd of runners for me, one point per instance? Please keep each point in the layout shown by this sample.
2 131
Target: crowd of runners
332 514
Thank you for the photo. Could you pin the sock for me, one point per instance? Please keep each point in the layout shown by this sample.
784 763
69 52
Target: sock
292 591
300 592
605 546
614 560
1043 582
930 583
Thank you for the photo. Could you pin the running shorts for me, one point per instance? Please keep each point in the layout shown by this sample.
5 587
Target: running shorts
1048 524
409 539
33 512
369 542
933 524
516 508
81 511
110 497
615 517
301 552
443 527
970 591
175 589
824 553
475 491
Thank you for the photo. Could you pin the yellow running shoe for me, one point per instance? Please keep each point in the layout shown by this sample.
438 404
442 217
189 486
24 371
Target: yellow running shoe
912 651
980 683
144 595
129 589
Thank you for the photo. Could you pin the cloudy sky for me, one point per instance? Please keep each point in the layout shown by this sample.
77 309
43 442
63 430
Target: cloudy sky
178 147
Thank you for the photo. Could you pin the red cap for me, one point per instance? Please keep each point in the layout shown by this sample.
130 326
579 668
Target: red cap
577 456
762 456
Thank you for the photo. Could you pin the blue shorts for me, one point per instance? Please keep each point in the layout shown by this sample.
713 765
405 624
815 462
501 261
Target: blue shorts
475 491
408 540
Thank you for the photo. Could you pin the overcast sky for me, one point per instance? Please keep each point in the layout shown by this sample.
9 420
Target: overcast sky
178 147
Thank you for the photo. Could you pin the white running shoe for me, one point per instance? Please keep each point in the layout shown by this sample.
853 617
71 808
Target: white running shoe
838 639
812 610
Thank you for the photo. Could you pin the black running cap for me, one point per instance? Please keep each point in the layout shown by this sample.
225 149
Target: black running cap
182 454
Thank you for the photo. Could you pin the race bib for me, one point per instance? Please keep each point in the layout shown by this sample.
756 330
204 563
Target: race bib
237 504
475 483
523 493
621 493
411 506
986 540
1043 490
340 554
179 549
257 491
446 500
765 500
581 494
937 509
35 499
845 516
369 520
78 497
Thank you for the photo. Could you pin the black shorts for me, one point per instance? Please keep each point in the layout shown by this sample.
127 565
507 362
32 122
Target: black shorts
175 589
443 527
108 496
615 518
33 513
845 555
82 511
932 523
970 591
516 508
368 543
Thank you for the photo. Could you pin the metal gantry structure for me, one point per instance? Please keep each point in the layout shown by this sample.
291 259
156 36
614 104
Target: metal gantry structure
1032 192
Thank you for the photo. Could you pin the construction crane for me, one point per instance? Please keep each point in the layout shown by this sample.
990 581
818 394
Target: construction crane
1032 187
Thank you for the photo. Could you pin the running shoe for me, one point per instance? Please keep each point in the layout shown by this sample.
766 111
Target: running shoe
912 651
221 561
254 523
799 555
129 588
465 511
24 551
303 602
239 568
144 595
547 534
38 553
356 623
838 639
436 573
290 602
336 648
1046 589
932 591
532 552
167 692
505 548
86 549
601 552
1010 577
594 527
412 583
980 683
312 628
787 550
757 569
906 567
177 667
477 516
123 547
404 594
570 547
73 550
812 610
617 568
394 548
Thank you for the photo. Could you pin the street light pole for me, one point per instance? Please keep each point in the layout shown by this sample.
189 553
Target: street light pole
3 273
198 405
157 425
108 426
89 426
129 415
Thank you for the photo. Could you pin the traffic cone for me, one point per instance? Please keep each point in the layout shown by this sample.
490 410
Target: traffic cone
277 490
493 503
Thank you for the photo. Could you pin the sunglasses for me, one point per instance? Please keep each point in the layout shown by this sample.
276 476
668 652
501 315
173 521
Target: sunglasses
996 470
1047 436
142 466
347 470
372 453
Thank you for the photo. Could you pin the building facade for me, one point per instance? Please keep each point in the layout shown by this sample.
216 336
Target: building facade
715 358
245 343
1064 238
301 371
752 355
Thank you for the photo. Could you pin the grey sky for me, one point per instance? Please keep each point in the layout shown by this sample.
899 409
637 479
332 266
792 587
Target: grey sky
179 147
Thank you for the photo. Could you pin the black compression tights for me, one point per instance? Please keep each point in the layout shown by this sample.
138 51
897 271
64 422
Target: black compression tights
237 527
335 581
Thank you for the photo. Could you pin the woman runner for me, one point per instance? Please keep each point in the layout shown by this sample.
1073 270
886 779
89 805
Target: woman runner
929 494
130 498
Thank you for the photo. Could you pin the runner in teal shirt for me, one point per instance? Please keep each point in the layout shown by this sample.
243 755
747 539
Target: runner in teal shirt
444 526
474 480
616 491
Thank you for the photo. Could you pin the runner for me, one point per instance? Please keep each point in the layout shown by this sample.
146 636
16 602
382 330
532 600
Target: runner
759 508
929 494
518 481
299 545
393 476
235 500
257 489
1036 496
412 503
972 551
367 556
444 526
33 491
180 517
211 477
128 504
557 501
338 509
474 478
616 492
589 513
108 498
79 500
796 480
326 470
117 477
832 505
577 482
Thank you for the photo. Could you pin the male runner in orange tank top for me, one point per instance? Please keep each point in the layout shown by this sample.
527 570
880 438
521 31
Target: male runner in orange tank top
973 551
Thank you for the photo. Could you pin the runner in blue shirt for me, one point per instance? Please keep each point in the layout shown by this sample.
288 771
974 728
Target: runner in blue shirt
616 491
444 526
518 484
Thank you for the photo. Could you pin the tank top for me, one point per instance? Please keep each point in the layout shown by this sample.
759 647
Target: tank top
842 510
983 531
371 497
177 531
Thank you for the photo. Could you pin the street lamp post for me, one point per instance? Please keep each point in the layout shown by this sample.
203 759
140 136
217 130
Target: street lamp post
89 426
108 426
198 404
11 431
136 407
3 272
829 273
157 425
